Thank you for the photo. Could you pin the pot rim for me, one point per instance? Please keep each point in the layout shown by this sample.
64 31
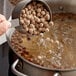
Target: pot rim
41 67
36 65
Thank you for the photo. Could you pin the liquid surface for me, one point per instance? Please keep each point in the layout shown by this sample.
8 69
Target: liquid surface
57 48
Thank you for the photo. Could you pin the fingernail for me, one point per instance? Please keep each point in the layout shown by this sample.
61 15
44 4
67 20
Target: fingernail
9 24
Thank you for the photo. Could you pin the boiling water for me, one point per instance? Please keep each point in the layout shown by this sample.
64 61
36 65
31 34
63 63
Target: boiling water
56 48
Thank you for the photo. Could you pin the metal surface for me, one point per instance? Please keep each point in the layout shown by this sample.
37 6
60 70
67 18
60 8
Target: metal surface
17 10
14 22
16 72
14 69
32 69
35 70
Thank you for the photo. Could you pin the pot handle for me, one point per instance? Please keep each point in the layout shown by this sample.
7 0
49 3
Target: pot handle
57 74
14 69
21 74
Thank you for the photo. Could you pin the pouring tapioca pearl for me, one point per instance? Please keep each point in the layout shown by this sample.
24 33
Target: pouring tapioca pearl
39 10
47 17
51 23
43 13
36 18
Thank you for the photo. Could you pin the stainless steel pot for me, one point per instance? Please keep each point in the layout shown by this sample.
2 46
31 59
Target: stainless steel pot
30 69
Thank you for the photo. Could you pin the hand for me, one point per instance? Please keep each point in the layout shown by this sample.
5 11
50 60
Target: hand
4 24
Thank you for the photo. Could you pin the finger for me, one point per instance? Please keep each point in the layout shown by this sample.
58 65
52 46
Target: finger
2 29
2 18
8 24
4 26
2 32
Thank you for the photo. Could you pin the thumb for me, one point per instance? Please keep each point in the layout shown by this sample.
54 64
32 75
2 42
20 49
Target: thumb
8 24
